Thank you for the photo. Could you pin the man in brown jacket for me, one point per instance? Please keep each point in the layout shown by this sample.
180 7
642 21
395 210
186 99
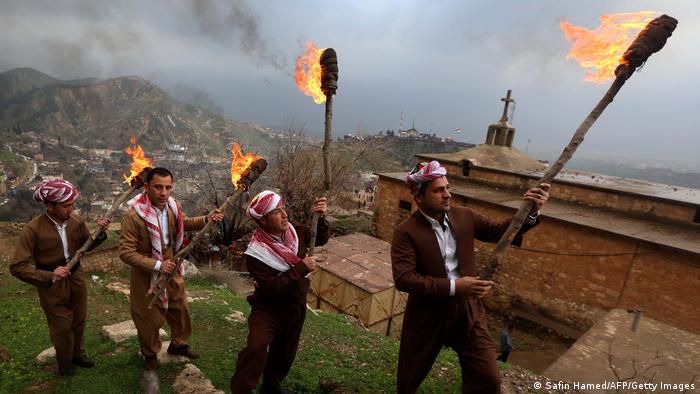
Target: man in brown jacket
276 256
152 232
432 255
51 240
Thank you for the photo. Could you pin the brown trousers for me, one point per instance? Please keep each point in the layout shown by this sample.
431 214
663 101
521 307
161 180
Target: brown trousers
65 307
273 339
149 321
460 326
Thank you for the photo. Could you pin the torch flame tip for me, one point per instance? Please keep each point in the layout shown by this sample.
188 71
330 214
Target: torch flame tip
307 73
602 49
139 161
240 164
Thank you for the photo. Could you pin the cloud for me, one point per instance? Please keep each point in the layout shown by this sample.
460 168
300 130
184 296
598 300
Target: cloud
239 22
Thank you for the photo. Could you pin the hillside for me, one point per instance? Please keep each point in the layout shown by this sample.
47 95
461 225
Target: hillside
95 113
335 355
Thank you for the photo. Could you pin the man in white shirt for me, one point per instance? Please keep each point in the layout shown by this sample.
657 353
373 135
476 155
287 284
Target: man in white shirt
152 232
50 240
432 256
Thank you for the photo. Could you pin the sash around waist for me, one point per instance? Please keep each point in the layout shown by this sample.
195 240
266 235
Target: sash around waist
46 267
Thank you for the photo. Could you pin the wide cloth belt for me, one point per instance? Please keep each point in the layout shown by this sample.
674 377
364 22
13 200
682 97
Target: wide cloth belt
44 267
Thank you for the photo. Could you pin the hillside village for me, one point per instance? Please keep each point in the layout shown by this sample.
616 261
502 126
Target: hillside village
603 244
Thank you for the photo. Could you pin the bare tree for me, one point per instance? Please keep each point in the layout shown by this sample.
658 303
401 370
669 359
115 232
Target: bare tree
298 171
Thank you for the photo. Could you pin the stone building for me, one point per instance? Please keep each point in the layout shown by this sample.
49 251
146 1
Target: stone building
603 242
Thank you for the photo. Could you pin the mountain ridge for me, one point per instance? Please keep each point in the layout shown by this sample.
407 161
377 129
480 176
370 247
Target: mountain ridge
104 113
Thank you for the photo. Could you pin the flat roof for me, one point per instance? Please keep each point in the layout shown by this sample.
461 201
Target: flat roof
628 185
681 237
360 259
591 180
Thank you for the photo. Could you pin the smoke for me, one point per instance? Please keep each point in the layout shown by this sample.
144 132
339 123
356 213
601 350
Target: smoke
238 22
521 51
98 51
194 96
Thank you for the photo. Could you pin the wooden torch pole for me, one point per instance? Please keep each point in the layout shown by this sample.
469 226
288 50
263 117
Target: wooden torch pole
135 184
651 39
329 85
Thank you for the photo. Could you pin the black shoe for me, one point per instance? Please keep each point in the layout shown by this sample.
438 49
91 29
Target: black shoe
273 388
83 361
150 363
182 350
66 369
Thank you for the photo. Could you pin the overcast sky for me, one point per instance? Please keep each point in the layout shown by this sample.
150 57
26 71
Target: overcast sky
445 64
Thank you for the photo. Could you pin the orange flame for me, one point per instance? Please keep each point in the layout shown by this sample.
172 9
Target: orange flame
240 163
307 73
139 161
602 48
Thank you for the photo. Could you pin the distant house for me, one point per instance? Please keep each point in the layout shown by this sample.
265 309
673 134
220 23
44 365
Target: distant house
95 168
177 152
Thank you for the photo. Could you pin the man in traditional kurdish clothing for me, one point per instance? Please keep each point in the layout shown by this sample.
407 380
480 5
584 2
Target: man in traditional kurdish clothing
432 256
51 240
152 232
276 257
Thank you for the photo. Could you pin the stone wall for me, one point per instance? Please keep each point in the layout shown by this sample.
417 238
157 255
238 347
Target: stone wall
388 211
620 201
574 272
102 260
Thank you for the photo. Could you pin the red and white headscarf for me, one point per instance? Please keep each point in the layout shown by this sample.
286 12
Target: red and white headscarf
55 191
422 173
279 253
264 203
144 208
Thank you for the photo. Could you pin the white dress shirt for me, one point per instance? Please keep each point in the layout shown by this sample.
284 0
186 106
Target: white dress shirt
61 228
448 244
448 247
164 230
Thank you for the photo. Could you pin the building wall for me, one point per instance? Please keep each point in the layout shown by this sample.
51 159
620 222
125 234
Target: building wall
627 203
103 260
387 213
575 273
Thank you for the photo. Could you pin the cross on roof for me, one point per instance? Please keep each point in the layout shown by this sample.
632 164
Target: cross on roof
507 101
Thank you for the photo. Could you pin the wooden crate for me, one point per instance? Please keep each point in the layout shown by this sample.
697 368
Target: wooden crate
377 307
313 300
380 327
395 326
356 279
315 281
326 307
400 299
352 300
331 288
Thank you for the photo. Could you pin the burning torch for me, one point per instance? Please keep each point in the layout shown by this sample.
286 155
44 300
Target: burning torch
650 40
140 165
245 169
320 82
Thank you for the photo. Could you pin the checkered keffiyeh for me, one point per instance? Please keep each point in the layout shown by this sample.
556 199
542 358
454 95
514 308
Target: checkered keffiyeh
55 191
279 253
422 173
264 203
144 208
